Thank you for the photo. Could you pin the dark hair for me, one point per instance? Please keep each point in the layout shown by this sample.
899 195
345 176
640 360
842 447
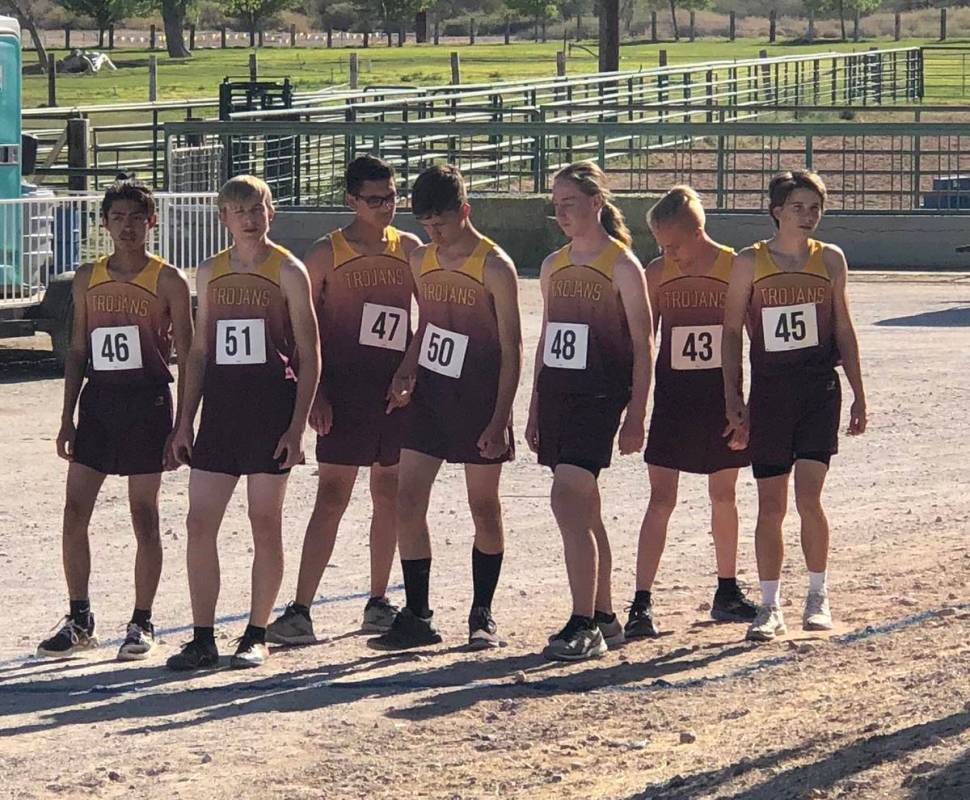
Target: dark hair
366 168
438 189
129 189
784 183
592 181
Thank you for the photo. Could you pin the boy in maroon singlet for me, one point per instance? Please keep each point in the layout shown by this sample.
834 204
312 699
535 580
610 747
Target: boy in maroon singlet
254 366
129 308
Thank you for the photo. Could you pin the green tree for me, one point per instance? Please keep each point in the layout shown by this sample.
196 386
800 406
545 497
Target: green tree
536 10
105 13
173 20
254 13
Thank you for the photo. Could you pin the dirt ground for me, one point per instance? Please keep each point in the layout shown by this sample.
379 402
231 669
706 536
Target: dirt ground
880 709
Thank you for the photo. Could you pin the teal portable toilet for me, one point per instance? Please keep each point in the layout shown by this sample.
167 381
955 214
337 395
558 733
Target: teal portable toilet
10 213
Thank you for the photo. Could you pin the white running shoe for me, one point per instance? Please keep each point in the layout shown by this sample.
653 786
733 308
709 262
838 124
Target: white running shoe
817 616
768 625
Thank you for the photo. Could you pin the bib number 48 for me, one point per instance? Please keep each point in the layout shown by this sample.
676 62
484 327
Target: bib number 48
566 345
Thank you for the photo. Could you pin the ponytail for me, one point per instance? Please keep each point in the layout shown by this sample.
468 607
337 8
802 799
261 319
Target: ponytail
611 218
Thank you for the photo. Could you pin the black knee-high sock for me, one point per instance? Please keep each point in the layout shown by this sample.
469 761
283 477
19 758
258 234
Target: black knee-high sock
417 576
485 571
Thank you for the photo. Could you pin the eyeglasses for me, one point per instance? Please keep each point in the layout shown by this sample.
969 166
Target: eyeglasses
379 200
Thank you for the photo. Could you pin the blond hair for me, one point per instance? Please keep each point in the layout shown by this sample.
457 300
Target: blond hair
242 188
591 181
680 204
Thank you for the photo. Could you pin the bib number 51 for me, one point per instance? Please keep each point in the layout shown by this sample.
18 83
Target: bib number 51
240 341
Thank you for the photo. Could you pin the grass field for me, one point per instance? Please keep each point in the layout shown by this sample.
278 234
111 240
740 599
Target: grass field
314 68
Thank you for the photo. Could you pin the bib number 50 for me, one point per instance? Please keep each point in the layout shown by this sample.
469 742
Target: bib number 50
443 351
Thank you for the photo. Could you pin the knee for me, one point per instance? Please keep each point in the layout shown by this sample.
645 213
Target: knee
411 503
568 504
333 498
772 510
723 496
808 504
383 490
144 518
76 514
662 502
266 523
485 511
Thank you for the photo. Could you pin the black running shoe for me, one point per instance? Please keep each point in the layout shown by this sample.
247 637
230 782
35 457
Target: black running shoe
482 629
639 623
69 640
581 639
195 655
732 606
407 631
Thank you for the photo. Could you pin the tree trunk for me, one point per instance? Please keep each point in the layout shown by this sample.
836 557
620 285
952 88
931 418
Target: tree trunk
100 38
252 33
842 18
421 27
673 19
27 20
173 18
609 35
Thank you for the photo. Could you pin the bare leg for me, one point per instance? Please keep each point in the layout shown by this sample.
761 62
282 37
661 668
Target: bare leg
334 487
769 544
809 481
209 494
481 481
575 495
83 485
604 573
653 531
143 502
724 521
416 474
265 495
383 526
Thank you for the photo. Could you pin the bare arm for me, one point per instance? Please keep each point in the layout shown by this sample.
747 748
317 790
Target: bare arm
630 282
295 285
845 336
532 425
194 371
174 288
735 311
654 271
319 264
502 281
402 384
75 364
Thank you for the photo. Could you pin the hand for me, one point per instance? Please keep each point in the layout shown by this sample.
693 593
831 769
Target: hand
321 414
181 444
737 430
169 461
289 451
532 432
400 391
857 418
631 435
65 440
494 441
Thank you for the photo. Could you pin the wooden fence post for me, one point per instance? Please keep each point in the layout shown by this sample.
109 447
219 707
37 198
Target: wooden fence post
455 68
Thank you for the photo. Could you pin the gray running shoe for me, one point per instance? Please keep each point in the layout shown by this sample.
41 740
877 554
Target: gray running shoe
482 630
379 615
578 641
139 643
290 628
612 631
249 653
768 625
817 616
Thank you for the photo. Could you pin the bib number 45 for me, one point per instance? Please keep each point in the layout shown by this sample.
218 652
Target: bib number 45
789 327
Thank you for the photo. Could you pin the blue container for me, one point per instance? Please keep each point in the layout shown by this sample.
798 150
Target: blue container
11 246
67 239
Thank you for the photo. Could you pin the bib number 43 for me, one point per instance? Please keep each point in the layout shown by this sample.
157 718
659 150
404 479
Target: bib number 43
695 347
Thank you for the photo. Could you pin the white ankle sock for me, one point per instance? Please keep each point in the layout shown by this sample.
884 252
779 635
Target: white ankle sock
769 592
816 582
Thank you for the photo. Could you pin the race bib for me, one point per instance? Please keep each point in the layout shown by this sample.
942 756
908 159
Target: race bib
443 351
695 347
384 326
566 345
116 348
240 341
789 327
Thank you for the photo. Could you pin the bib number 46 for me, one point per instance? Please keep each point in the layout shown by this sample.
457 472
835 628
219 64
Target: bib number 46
116 348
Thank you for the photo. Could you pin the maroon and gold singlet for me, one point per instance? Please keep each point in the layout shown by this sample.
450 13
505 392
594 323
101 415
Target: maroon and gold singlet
129 328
